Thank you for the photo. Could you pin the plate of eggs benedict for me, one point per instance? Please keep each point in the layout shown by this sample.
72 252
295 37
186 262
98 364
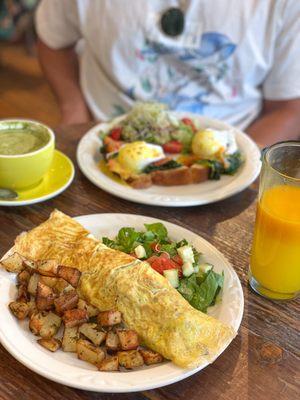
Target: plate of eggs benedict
159 157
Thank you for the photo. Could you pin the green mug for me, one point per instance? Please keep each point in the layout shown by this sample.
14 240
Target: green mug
26 169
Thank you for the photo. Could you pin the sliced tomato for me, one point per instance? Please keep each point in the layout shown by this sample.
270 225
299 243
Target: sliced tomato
162 263
189 122
115 133
178 260
173 147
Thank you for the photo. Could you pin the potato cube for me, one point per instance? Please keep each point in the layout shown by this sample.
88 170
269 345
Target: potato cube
47 267
44 324
60 285
109 318
70 337
91 310
19 309
109 364
30 265
151 357
112 341
128 339
69 274
93 333
32 284
86 351
32 307
44 297
66 302
130 359
23 294
49 281
23 277
50 344
13 263
75 317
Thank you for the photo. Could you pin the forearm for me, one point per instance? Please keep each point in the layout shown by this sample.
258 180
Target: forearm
61 69
276 124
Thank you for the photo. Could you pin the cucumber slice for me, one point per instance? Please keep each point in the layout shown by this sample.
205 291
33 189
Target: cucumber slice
186 253
140 251
187 269
172 276
205 267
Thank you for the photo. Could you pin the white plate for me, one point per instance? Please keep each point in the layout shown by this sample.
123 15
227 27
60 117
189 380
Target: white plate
65 368
88 157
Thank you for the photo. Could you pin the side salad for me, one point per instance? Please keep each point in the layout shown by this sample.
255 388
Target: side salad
179 262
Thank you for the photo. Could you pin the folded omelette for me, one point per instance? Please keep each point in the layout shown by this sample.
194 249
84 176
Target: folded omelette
110 279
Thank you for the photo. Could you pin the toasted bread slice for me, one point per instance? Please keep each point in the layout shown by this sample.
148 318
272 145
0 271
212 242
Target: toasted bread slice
172 177
180 176
142 181
200 173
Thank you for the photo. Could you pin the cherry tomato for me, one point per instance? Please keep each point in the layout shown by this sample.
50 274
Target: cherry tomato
189 122
115 133
173 147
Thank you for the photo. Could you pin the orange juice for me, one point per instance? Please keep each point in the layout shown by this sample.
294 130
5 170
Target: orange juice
275 259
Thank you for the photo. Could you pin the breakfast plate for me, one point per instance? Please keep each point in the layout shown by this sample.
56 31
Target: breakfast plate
57 179
89 157
66 369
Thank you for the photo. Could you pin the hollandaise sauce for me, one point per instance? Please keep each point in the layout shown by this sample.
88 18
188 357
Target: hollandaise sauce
275 260
104 169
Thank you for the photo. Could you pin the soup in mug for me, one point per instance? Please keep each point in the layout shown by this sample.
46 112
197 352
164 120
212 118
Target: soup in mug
18 141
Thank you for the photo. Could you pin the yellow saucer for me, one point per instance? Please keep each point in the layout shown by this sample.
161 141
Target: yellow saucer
56 180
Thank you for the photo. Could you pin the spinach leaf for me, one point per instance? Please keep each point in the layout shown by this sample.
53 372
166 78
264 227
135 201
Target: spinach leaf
170 248
205 293
181 243
196 256
168 165
127 238
109 243
158 229
201 289
234 161
188 287
215 168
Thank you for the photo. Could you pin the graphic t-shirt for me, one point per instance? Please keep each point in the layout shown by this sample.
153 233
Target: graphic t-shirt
230 55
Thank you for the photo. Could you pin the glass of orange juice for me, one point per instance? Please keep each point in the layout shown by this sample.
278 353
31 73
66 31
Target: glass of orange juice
275 258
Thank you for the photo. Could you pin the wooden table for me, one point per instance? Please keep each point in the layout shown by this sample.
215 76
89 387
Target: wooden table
262 363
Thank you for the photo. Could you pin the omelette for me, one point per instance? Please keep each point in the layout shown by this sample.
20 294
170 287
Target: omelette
110 279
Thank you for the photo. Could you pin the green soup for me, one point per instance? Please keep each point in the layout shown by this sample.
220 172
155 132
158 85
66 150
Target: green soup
22 140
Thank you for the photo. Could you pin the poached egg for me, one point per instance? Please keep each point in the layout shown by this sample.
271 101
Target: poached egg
134 157
211 143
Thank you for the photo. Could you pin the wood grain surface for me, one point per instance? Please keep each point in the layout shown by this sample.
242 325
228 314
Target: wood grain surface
262 363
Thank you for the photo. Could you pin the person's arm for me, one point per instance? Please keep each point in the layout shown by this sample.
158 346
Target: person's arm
61 69
279 120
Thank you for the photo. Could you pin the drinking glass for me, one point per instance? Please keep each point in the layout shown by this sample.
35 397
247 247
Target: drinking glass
275 257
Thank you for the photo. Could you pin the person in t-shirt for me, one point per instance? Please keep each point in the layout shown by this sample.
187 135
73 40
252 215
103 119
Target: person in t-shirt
234 60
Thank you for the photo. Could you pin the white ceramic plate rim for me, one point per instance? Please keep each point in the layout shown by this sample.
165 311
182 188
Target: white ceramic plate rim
249 171
16 203
16 339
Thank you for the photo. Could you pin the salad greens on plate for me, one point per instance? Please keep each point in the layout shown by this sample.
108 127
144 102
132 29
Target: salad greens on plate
178 261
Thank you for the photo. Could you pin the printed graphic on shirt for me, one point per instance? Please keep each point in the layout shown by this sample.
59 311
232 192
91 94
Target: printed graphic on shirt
183 78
